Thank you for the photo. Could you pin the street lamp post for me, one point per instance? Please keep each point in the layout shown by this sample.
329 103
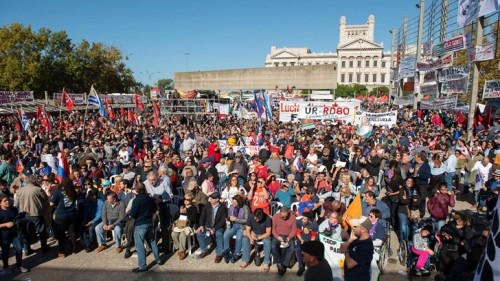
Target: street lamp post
418 56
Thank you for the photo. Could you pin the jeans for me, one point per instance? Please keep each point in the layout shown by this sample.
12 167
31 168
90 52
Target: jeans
144 233
246 249
279 256
423 256
89 235
101 234
219 241
18 248
228 234
39 223
403 227
298 253
448 178
437 224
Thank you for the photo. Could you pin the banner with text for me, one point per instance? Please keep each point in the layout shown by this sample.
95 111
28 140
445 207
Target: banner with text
485 52
379 119
448 46
428 89
78 99
289 110
407 67
408 100
23 97
453 73
444 61
491 89
455 86
223 108
442 103
334 111
333 256
430 76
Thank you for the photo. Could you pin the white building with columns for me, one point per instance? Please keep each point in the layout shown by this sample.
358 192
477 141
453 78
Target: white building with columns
358 58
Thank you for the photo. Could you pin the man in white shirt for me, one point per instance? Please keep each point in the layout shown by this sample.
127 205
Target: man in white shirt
483 169
450 167
187 143
162 193
127 173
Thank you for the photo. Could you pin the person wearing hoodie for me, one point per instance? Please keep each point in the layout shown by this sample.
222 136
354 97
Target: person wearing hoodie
438 205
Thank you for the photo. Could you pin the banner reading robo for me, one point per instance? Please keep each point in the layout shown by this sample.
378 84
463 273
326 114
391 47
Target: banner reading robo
335 111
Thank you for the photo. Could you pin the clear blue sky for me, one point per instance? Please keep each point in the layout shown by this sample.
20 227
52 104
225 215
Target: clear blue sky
217 34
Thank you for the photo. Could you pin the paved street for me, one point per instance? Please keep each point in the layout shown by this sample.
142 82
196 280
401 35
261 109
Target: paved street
108 265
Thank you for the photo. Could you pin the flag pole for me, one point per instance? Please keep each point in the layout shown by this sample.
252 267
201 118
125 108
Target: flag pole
85 115
60 105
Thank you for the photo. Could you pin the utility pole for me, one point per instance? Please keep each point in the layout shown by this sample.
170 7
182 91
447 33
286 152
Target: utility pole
391 65
475 80
418 57
187 61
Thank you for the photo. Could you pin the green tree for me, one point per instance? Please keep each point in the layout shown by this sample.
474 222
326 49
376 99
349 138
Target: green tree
166 84
46 60
344 91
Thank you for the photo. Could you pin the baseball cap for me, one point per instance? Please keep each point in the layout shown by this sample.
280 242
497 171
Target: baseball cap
361 221
215 195
27 172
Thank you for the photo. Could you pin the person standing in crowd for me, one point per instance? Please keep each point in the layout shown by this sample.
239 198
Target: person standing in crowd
143 208
358 251
438 204
32 199
421 171
65 215
9 235
307 230
313 253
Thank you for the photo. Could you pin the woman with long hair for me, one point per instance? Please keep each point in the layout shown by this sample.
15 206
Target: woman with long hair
65 215
232 189
252 182
437 170
369 185
238 215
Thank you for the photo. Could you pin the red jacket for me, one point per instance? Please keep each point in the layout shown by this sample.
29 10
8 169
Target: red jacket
438 205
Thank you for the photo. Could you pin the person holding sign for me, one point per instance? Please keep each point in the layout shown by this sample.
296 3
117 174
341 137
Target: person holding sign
358 251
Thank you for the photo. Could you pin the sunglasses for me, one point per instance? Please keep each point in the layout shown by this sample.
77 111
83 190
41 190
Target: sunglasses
261 182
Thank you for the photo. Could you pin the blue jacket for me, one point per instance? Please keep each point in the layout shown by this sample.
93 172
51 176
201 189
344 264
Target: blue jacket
386 212
93 211
142 209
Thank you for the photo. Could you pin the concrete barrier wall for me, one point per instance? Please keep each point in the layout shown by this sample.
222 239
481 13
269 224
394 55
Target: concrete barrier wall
302 77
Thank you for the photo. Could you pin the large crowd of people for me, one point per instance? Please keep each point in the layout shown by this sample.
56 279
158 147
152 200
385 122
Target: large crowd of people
183 183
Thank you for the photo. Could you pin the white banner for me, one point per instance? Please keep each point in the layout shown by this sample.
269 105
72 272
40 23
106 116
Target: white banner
444 61
485 52
333 256
455 86
407 67
223 108
453 73
249 149
388 118
334 111
289 110
408 100
491 89
468 11
322 93
443 103
430 89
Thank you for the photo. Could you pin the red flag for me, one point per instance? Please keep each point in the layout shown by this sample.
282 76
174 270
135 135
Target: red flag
131 117
123 112
288 89
478 117
66 100
156 114
460 118
109 109
276 87
44 119
487 118
138 102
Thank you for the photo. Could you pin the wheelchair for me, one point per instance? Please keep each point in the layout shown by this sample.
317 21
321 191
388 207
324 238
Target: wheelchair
407 258
384 251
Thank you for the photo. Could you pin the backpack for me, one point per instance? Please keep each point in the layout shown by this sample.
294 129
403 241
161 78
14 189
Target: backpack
496 161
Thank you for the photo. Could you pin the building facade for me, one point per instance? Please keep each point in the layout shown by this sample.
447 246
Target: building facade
358 58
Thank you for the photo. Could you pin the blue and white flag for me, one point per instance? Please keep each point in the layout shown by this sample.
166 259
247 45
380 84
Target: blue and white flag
94 99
